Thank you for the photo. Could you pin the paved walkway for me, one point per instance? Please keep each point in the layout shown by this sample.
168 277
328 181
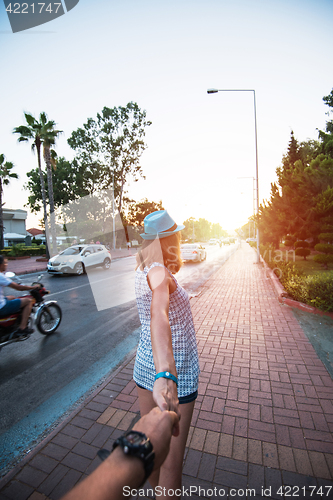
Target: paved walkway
263 419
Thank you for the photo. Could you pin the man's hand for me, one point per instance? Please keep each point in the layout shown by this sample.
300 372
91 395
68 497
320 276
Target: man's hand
159 427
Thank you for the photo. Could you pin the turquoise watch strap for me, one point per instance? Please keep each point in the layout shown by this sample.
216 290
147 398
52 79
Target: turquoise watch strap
167 375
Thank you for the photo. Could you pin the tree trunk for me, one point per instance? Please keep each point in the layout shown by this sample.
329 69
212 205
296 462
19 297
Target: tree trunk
47 158
1 218
42 184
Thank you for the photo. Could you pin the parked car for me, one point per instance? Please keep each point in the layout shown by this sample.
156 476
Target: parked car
192 252
213 241
77 258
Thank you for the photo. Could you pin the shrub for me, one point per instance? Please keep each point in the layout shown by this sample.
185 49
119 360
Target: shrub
326 237
320 291
17 250
301 244
314 290
303 252
324 247
288 243
324 259
5 251
20 250
267 251
36 241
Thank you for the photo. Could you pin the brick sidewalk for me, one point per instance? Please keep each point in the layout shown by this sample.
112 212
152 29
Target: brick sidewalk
263 418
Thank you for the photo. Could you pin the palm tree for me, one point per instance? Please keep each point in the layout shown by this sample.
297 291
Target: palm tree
5 176
42 132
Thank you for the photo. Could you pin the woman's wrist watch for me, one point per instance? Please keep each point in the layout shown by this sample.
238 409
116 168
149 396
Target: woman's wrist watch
135 444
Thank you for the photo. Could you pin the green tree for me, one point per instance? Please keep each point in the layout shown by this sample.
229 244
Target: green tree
293 153
197 230
137 211
248 230
327 136
69 184
203 230
5 175
110 147
217 231
324 212
42 132
291 207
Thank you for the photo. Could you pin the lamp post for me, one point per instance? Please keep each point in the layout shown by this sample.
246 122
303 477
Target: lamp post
113 214
214 91
254 201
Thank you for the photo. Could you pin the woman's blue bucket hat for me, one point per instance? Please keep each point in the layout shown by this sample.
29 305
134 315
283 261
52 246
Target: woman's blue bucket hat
159 225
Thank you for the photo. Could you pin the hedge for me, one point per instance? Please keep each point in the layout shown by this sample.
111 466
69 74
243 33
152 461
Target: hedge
324 247
303 252
316 291
21 250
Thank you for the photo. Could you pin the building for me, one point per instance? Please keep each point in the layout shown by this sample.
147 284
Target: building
38 234
14 227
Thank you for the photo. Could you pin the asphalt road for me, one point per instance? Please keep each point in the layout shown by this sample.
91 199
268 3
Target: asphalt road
44 377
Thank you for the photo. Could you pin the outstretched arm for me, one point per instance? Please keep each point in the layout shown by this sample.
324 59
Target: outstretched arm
118 471
21 288
165 390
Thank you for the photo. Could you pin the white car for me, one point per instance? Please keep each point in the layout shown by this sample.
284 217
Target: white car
77 258
193 252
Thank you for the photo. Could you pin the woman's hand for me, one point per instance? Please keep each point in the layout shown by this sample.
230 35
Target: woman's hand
159 427
165 395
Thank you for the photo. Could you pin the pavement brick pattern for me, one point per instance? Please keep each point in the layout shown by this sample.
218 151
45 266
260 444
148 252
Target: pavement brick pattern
263 420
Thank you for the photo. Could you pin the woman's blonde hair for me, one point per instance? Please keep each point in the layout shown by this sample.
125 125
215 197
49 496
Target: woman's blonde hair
163 250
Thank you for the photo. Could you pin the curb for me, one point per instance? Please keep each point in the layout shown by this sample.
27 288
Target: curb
30 271
283 295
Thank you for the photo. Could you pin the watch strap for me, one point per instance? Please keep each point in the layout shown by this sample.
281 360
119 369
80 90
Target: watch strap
144 452
167 375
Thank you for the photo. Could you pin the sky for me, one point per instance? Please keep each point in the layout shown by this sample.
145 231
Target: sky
164 55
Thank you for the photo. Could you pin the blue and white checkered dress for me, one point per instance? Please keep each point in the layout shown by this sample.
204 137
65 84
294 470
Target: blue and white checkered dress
183 337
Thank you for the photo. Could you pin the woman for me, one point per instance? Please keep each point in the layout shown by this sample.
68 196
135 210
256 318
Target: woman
166 368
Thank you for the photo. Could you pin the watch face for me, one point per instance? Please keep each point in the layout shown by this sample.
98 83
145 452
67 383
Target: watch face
135 439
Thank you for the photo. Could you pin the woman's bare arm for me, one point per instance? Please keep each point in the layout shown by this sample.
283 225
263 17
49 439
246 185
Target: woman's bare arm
165 390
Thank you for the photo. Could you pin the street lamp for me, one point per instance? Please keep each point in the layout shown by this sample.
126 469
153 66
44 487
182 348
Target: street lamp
214 91
254 201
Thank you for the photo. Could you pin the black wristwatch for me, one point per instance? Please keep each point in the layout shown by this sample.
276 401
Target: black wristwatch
135 444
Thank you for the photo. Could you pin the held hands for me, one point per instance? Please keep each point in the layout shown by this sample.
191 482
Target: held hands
165 395
159 427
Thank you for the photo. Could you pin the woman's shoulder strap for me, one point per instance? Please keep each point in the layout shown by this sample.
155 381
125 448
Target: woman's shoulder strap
153 264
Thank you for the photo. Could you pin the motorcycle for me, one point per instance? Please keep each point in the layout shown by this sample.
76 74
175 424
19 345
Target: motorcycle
46 315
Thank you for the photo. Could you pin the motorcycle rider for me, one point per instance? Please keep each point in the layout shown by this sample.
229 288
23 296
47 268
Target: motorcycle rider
11 304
